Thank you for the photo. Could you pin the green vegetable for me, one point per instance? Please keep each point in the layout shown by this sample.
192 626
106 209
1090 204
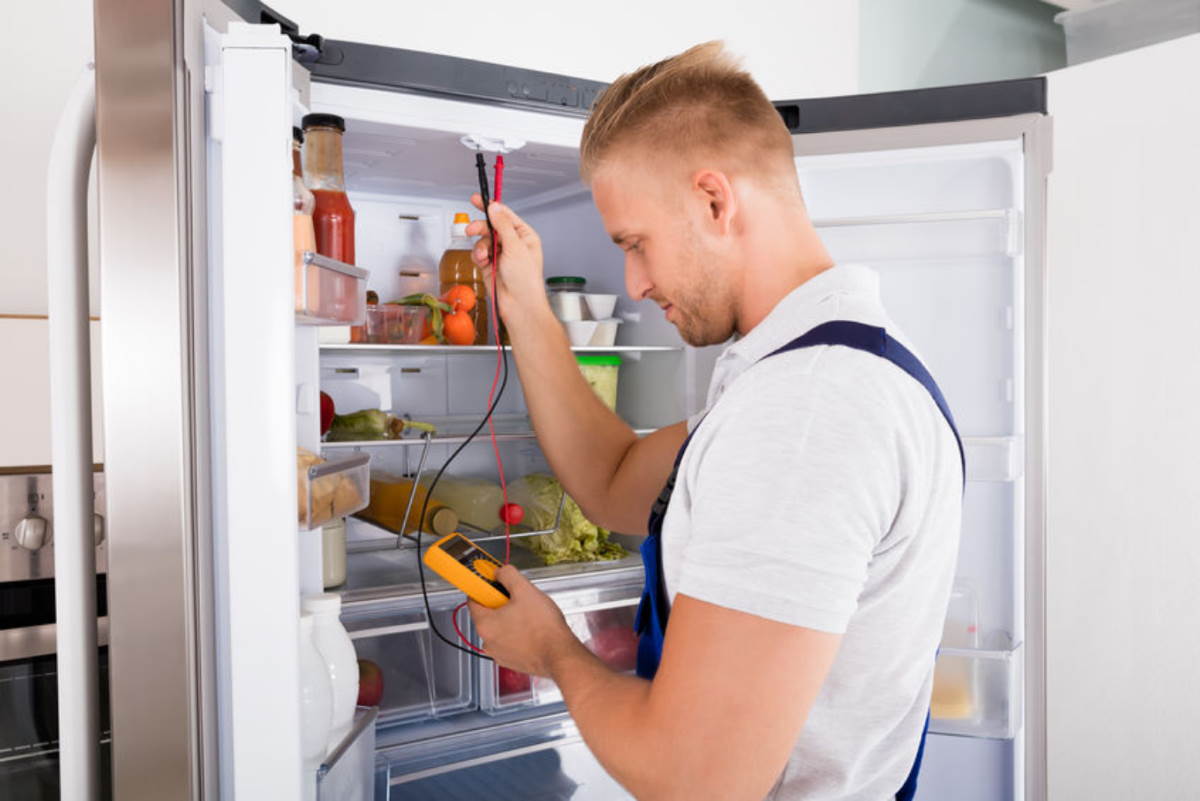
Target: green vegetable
368 424
577 539
436 308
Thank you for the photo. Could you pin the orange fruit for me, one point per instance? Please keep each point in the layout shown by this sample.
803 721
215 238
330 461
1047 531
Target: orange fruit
459 328
460 297
430 340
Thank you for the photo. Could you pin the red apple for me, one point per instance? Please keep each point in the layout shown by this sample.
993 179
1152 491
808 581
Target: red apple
511 682
616 647
327 413
370 683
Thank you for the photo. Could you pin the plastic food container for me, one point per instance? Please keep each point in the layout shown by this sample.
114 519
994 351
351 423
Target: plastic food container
327 490
600 307
580 332
566 296
396 325
601 371
606 333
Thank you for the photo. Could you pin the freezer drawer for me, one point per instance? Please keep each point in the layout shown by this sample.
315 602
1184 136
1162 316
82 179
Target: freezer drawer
542 759
601 617
422 677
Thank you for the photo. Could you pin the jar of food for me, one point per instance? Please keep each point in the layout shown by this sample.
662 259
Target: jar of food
566 296
458 268
600 371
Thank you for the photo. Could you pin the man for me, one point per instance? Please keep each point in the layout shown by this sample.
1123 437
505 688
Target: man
805 555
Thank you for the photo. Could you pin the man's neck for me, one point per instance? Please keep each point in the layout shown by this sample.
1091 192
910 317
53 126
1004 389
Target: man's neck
784 253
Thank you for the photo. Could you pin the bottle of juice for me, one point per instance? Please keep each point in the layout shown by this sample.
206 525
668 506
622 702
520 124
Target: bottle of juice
456 267
389 499
303 236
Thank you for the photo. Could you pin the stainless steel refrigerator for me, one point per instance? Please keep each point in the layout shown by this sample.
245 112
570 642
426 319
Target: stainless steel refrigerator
211 379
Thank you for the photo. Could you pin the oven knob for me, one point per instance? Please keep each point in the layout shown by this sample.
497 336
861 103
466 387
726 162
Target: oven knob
98 528
31 533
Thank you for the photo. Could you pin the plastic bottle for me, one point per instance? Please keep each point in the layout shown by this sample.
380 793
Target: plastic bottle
389 498
337 654
456 267
477 501
316 703
333 553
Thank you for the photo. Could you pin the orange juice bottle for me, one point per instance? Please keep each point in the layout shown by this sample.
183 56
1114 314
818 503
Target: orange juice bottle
456 267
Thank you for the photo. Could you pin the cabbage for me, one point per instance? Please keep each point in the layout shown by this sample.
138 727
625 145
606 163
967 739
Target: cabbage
577 539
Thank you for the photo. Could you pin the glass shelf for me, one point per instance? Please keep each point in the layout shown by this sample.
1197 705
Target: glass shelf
351 349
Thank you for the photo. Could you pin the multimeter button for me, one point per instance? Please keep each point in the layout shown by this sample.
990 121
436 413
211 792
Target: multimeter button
485 568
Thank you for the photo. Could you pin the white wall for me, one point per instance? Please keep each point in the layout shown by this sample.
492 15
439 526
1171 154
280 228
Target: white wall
795 49
906 44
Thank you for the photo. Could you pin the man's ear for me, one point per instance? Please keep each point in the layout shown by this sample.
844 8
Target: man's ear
715 190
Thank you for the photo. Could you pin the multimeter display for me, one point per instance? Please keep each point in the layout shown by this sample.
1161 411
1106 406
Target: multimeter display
468 567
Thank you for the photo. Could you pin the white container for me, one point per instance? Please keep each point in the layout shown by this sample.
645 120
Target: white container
567 306
337 654
580 332
333 553
316 703
606 333
600 307
1105 29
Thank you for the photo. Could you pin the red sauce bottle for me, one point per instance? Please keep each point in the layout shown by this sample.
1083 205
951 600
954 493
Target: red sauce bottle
333 218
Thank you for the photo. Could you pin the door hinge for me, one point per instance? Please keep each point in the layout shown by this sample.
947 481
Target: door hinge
305 49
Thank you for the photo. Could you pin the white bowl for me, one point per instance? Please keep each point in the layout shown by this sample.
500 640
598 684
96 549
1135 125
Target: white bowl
606 333
600 307
580 332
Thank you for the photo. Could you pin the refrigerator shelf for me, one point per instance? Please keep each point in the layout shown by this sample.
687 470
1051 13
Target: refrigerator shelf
514 436
335 488
977 692
329 292
366 348
348 772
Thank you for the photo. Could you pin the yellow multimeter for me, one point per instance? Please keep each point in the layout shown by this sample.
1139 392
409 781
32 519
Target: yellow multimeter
468 567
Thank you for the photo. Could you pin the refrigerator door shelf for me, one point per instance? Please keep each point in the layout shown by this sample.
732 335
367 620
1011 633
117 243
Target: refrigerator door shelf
601 617
348 772
422 677
332 489
329 292
977 692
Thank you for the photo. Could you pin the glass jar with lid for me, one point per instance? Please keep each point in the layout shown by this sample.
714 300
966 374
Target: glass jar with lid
566 296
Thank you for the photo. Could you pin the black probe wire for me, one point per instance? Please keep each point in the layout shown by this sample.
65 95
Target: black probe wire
484 193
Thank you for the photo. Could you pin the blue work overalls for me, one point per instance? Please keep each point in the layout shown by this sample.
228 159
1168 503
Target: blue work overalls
651 623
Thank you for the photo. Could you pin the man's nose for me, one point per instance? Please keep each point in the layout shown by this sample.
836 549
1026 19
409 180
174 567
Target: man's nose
637 283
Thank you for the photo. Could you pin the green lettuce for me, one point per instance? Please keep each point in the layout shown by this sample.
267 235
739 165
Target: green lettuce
576 539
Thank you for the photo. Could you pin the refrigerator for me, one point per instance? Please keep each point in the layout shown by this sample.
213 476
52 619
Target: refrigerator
211 380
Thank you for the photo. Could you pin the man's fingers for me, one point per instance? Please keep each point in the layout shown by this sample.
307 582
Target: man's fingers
477 201
504 221
511 578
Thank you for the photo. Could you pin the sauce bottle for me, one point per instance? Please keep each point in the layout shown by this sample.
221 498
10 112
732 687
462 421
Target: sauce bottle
456 267
303 235
333 218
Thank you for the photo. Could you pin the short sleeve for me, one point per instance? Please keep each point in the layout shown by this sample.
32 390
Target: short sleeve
788 504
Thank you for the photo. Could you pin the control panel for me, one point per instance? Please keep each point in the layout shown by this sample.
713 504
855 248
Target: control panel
27 526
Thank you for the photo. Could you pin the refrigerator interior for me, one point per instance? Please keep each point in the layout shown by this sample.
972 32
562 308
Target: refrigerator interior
942 227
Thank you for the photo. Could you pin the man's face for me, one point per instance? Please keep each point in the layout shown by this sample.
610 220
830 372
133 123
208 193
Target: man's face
672 255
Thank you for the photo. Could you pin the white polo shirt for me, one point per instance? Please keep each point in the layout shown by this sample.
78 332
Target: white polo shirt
823 489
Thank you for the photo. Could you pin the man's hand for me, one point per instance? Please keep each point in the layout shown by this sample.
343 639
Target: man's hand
520 283
527 634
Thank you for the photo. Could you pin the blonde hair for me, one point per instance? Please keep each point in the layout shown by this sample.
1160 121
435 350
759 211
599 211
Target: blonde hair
699 102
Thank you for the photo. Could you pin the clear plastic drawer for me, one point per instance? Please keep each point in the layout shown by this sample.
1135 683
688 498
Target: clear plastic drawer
421 676
605 627
330 489
977 692
329 292
348 772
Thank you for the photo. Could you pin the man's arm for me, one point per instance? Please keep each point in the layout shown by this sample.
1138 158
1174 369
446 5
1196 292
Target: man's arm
612 473
717 722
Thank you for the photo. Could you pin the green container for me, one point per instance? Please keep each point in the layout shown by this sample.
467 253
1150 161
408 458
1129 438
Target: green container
601 371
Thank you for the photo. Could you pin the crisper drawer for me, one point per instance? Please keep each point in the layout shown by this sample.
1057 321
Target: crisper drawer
542 759
601 617
421 676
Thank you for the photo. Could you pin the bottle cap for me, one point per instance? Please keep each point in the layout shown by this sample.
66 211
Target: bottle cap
323 121
443 521
461 217
322 602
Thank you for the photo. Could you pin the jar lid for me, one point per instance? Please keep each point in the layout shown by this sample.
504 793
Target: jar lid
565 281
461 217
323 121
600 359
